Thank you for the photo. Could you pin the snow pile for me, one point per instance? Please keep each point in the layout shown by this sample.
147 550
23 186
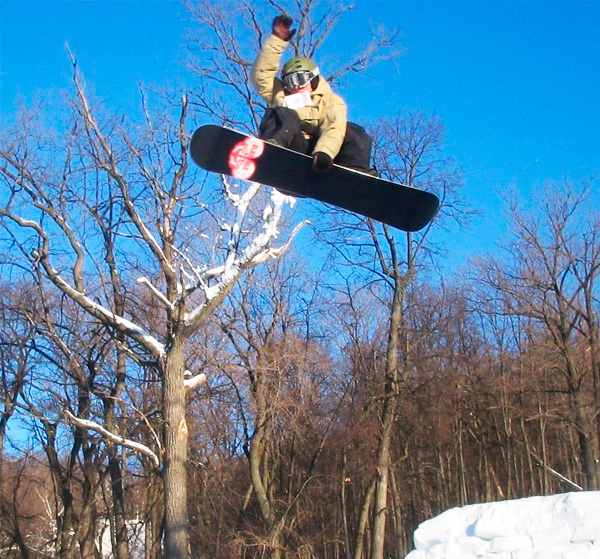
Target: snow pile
556 527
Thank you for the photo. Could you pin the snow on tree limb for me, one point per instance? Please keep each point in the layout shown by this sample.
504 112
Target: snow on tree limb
191 382
237 259
93 307
145 281
276 252
102 313
117 439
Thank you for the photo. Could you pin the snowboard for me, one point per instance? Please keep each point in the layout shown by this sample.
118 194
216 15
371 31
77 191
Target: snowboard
225 151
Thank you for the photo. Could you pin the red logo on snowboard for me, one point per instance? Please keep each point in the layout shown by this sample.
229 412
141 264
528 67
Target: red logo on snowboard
242 155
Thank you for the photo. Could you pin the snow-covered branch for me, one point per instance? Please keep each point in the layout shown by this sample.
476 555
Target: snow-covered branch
238 259
117 439
191 382
93 307
276 252
106 315
157 293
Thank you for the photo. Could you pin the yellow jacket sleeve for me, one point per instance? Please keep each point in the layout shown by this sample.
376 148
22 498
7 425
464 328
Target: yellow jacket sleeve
265 68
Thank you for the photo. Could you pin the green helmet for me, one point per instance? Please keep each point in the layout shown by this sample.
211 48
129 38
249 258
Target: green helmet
298 64
297 72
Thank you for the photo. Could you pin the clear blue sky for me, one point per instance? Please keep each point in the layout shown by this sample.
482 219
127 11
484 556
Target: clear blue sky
516 82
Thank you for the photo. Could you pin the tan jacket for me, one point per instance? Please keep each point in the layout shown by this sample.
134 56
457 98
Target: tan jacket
326 118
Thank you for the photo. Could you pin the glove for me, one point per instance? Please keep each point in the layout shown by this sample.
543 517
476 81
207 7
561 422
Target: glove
281 27
322 162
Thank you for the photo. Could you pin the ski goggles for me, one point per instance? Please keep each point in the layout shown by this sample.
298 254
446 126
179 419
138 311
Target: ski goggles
297 80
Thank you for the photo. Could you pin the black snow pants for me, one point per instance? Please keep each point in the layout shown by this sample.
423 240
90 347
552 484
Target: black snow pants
284 127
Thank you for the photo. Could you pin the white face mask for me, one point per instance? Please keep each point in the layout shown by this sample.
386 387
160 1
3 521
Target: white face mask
298 100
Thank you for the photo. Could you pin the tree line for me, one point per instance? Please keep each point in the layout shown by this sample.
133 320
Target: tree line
187 363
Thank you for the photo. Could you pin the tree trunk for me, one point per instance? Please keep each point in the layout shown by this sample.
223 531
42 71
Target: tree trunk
175 445
363 520
343 506
389 413
119 525
121 550
259 461
153 516
586 449
581 421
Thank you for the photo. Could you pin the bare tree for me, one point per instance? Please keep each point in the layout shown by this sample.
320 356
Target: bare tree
275 398
107 208
550 280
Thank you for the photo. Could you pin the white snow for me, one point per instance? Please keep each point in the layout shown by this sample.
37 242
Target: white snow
136 538
565 526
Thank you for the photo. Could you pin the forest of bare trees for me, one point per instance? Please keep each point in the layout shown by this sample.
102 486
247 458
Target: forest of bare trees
190 370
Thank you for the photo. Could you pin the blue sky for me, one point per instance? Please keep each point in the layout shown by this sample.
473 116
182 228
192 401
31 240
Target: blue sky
516 82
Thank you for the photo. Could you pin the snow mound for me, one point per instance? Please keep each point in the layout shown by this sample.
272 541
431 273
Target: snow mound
563 526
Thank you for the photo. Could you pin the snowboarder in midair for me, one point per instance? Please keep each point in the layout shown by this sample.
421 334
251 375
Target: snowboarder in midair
303 113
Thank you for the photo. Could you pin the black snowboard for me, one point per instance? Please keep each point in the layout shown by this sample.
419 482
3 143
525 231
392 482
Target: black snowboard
228 152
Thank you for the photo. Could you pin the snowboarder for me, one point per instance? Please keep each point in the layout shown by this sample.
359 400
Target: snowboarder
303 113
